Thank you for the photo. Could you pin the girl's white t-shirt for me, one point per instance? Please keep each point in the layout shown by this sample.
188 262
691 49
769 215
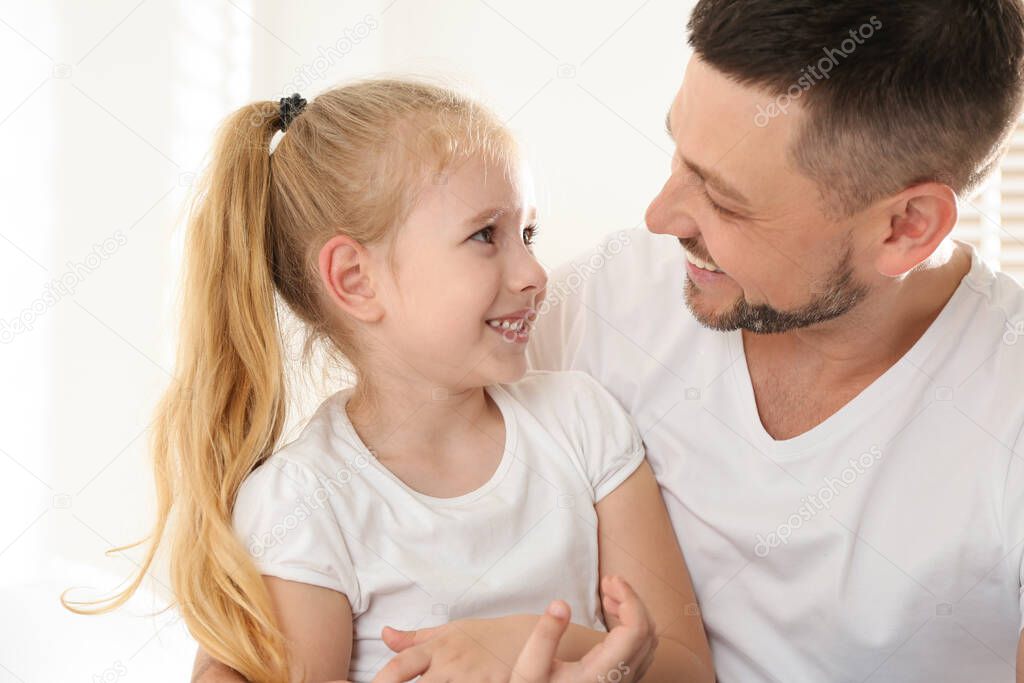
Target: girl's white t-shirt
323 511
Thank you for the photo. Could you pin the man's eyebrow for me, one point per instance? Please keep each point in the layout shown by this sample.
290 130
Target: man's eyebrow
712 178
706 174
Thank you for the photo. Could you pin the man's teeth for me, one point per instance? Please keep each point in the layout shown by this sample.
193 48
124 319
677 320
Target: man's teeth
516 326
701 263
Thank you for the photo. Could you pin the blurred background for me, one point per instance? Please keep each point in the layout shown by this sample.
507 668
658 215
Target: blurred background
106 112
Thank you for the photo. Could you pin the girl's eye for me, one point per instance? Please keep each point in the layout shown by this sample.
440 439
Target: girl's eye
488 233
530 234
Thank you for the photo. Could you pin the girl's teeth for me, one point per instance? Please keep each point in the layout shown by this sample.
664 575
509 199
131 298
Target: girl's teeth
507 325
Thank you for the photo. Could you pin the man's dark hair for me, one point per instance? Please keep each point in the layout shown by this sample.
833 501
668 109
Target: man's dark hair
896 92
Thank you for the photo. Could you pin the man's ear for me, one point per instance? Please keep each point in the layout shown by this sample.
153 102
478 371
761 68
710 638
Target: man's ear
920 218
345 270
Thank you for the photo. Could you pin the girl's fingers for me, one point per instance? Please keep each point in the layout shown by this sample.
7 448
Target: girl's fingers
399 640
538 654
404 667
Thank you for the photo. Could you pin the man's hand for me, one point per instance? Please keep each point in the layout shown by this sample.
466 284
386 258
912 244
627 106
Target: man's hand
632 640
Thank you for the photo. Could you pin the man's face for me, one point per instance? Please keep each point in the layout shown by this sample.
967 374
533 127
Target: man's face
761 253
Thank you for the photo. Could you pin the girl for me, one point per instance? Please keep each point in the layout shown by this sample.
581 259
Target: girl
448 488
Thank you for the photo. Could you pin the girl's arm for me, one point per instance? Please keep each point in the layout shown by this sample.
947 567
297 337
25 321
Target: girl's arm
636 541
317 622
208 670
501 639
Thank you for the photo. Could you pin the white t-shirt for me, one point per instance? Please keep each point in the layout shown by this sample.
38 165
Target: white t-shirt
883 544
324 511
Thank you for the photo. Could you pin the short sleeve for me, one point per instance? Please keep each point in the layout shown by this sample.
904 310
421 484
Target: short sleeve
283 518
610 445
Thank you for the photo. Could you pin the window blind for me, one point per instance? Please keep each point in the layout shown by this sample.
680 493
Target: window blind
993 219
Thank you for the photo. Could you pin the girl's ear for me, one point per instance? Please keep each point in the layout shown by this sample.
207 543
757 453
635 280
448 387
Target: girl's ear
345 267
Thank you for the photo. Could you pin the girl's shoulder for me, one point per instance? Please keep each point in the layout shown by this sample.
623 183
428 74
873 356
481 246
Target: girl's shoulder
322 452
290 510
578 412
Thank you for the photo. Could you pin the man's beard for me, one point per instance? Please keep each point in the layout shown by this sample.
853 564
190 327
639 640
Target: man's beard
840 293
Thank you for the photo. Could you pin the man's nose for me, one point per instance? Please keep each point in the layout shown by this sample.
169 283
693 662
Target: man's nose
668 213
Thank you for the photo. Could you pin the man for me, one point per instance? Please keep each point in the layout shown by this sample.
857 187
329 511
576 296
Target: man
827 383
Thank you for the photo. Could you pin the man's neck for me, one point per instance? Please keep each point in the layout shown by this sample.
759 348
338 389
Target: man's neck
868 340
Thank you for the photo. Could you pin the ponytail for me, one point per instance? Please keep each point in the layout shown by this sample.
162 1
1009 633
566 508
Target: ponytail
225 412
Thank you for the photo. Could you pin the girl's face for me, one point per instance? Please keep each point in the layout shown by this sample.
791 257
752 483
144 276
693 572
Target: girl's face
458 307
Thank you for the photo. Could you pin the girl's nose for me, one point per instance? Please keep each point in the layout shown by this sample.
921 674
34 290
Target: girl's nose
526 272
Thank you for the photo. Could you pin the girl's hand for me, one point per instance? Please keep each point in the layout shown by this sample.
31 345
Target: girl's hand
454 651
624 655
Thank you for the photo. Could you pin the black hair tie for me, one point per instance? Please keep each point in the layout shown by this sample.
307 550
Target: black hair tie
290 107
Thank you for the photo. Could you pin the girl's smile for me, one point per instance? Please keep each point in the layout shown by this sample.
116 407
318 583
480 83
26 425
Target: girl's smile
514 327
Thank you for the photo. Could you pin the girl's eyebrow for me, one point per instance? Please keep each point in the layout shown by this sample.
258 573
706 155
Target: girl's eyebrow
494 213
491 214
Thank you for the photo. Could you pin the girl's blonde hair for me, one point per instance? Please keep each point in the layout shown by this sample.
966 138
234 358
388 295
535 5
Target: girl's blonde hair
351 163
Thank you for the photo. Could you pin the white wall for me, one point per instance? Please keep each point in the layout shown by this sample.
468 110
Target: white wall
106 111
586 86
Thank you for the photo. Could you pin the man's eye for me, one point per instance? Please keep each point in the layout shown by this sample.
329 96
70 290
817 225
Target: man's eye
717 208
488 234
